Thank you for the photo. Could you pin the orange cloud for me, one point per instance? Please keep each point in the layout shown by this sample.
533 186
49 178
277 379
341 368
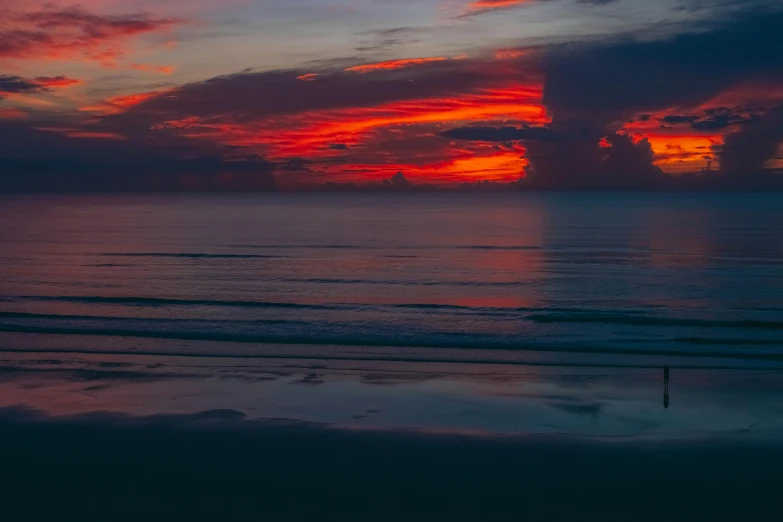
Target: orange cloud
466 166
680 150
358 137
393 64
510 54
95 135
163 69
689 139
480 5
307 77
684 153
119 104
309 134
78 133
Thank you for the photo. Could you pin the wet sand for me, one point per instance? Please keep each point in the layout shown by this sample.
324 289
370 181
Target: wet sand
88 437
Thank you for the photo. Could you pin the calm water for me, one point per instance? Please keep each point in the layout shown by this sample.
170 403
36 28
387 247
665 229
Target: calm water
495 278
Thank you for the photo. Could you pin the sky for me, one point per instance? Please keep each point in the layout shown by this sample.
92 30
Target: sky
250 94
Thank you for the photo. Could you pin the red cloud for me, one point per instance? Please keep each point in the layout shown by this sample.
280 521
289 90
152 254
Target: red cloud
56 82
393 64
18 86
73 33
12 114
119 104
78 133
359 139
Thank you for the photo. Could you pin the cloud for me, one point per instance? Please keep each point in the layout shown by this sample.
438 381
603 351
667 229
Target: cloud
580 164
591 89
47 156
162 69
393 64
310 132
746 152
616 77
676 118
346 126
10 85
384 39
17 84
604 114
501 134
74 33
721 118
492 5
13 114
485 6
237 95
119 104
510 54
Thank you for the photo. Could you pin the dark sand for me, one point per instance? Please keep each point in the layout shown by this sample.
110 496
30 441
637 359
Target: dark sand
219 466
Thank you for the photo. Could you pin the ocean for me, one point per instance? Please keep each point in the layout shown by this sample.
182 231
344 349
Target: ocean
545 278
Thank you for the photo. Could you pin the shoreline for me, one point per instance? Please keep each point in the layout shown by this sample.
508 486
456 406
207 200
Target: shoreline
534 399
137 437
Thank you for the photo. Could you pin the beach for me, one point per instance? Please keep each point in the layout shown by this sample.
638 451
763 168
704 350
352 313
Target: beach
164 439
547 357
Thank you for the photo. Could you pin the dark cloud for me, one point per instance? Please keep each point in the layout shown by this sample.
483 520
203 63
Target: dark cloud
713 123
614 78
503 134
383 39
35 160
746 152
283 93
65 33
712 119
590 89
716 121
580 164
677 118
17 84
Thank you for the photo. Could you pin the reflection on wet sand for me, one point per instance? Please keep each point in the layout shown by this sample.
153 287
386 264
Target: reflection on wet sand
589 400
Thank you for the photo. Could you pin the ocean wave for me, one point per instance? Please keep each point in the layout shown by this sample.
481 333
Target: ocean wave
454 341
640 320
305 246
496 247
192 256
162 301
401 282
729 342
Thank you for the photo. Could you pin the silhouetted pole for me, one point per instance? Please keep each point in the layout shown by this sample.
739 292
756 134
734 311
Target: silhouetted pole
666 386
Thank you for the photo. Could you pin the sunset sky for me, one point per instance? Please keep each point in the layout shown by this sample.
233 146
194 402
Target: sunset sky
567 93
